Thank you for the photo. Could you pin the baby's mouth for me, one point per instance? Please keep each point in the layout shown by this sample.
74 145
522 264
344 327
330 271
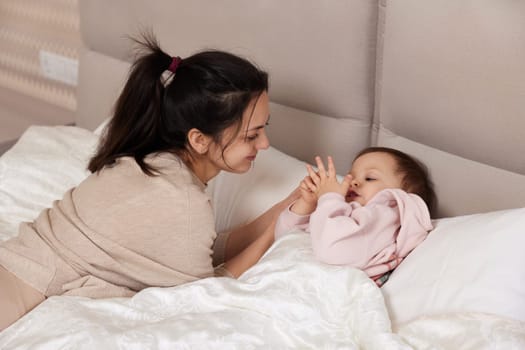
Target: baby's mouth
351 195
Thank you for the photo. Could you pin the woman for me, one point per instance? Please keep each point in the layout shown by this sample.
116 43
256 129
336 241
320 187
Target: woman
142 217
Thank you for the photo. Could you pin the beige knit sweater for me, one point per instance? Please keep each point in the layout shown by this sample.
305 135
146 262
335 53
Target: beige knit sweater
118 232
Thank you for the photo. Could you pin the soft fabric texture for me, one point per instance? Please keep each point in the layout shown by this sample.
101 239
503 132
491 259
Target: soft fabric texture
472 263
374 238
118 232
288 300
281 303
40 168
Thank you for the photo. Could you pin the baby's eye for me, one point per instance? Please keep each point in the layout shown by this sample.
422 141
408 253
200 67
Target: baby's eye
370 179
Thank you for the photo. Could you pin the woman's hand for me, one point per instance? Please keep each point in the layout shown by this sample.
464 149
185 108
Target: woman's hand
307 202
307 195
325 180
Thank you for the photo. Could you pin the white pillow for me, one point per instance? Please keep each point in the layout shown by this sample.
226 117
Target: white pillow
238 198
39 168
100 128
468 263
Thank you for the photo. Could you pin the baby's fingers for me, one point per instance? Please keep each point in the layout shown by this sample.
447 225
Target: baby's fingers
347 182
331 167
320 166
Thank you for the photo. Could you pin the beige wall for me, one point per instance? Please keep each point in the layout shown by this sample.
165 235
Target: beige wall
35 36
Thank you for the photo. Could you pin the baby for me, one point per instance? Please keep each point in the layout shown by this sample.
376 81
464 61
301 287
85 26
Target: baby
370 220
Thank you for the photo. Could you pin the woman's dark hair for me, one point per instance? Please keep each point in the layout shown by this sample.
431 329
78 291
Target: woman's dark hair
415 174
209 91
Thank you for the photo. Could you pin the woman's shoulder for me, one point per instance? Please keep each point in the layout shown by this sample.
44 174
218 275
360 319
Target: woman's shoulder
125 185
165 164
173 169
126 175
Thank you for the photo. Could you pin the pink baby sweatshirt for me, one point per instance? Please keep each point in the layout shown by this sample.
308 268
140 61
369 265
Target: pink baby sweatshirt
374 238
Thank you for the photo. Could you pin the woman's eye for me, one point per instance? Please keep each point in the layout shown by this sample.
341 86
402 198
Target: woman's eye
252 137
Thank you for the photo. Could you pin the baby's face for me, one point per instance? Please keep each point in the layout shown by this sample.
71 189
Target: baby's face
371 173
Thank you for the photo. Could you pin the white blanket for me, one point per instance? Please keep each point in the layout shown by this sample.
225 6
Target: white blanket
287 301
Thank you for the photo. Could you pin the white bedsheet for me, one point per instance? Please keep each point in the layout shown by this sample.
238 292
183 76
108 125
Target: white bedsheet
464 331
39 168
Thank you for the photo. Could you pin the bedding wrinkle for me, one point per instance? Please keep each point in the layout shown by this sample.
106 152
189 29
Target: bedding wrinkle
465 331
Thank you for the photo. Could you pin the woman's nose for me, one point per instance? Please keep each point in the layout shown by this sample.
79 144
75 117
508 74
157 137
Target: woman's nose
264 142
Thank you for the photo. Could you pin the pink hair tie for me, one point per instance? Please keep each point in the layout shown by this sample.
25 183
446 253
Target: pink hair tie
174 64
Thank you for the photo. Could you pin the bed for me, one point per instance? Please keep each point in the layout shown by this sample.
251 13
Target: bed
441 80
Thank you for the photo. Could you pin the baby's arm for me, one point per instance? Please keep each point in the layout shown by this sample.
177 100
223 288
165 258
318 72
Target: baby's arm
289 220
347 233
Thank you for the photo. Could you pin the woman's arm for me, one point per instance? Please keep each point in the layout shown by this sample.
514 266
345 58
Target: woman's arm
251 254
242 237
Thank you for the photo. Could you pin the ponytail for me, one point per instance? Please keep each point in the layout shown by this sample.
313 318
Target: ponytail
133 130
208 91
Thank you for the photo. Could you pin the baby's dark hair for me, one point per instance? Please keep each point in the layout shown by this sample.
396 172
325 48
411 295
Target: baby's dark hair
415 174
209 91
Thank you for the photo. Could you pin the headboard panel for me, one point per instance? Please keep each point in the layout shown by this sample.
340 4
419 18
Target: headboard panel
452 88
463 83
442 80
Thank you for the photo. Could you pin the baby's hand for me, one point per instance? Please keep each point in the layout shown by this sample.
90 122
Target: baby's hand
326 181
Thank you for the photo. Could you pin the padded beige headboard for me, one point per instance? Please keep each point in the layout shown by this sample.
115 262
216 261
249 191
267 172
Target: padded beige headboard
442 80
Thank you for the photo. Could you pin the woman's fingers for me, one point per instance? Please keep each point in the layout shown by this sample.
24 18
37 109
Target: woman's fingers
308 184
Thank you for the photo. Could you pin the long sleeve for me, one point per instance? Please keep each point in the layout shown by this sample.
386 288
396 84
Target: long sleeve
375 237
348 233
288 220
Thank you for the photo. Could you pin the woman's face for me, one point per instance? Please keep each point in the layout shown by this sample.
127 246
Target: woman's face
239 155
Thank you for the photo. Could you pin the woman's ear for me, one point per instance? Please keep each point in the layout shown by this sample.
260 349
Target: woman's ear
198 141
